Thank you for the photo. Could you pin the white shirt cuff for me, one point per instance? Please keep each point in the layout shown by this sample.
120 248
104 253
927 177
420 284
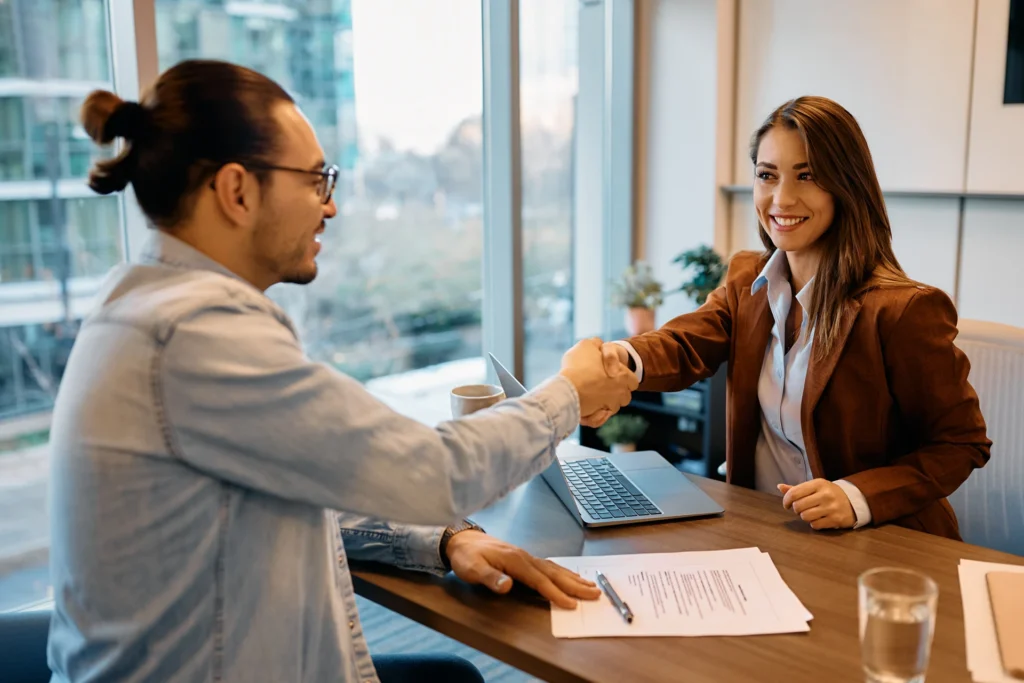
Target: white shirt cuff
861 511
636 358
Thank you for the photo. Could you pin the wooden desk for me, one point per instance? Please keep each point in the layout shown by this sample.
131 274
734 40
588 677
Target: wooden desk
820 567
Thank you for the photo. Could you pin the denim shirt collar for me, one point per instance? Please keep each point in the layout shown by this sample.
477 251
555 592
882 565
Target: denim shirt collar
164 248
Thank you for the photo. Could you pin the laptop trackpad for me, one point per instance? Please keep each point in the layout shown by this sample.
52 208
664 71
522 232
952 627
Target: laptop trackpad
657 483
641 460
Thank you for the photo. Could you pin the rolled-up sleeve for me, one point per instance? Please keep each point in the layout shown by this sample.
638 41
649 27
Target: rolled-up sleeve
407 546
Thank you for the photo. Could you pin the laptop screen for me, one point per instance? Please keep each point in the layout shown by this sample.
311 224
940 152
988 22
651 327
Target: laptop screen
509 384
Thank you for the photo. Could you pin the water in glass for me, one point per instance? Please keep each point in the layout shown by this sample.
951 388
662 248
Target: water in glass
897 621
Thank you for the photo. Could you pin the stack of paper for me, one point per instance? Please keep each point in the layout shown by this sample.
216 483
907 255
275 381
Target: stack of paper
712 593
983 657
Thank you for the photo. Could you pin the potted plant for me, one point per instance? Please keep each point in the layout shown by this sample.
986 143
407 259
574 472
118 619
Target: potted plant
705 269
640 294
621 432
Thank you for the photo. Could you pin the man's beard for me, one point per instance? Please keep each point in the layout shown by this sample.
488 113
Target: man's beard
290 270
300 278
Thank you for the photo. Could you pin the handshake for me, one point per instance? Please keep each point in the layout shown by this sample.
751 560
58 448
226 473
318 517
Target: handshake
601 375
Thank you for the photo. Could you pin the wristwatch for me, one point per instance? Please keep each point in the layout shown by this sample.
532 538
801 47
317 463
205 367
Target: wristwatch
442 549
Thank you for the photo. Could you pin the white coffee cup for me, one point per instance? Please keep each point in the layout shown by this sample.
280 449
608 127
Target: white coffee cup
470 398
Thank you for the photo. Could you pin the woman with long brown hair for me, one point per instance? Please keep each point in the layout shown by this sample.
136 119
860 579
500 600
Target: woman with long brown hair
847 395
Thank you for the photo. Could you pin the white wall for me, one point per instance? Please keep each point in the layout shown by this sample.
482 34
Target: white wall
924 238
681 122
997 131
934 125
991 262
993 233
901 67
904 69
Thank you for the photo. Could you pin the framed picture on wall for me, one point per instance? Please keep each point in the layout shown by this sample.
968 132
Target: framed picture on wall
1013 90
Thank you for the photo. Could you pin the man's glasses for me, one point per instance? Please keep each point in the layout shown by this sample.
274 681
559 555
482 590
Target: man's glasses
328 177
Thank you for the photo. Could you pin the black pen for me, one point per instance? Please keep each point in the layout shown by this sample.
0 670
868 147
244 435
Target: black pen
623 608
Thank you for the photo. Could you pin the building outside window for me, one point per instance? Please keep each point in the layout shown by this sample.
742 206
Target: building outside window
394 91
57 240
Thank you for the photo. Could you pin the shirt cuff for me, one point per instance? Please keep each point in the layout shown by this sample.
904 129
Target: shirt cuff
561 403
861 511
636 358
419 548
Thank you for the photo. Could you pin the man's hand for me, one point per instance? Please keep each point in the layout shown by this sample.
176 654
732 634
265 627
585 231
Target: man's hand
616 361
476 557
616 353
602 383
824 504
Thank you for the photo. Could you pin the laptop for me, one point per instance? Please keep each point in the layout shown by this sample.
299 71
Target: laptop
601 489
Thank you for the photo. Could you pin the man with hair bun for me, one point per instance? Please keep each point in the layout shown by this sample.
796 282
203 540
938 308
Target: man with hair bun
198 455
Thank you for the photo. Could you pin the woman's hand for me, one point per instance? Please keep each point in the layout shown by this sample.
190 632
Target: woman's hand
821 503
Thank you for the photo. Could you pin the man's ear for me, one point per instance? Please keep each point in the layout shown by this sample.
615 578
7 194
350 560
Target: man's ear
237 194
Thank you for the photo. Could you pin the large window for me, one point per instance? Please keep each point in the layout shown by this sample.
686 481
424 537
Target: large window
548 50
394 91
56 240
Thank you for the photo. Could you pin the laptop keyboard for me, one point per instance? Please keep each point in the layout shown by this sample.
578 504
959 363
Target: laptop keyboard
602 490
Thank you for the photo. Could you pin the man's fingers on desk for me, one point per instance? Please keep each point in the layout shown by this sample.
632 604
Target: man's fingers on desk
484 573
495 564
569 581
521 568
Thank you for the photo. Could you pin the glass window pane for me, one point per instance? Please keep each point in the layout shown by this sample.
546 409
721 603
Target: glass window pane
400 272
8 53
56 241
548 41
12 136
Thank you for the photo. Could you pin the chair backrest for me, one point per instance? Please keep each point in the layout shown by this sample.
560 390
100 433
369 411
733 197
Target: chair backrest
990 504
23 638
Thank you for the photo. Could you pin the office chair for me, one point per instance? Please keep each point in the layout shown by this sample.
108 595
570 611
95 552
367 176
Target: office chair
990 504
23 637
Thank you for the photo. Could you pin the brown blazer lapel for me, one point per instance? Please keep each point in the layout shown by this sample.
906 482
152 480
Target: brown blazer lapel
751 330
819 372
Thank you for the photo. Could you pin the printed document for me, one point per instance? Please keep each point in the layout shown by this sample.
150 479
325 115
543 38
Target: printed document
710 593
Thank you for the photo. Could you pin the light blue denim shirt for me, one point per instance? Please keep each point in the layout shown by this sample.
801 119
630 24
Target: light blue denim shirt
197 457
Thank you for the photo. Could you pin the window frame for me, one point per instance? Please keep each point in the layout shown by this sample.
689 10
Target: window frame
133 49
606 59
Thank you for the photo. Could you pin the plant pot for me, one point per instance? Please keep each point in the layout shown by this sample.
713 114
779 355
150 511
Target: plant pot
623 448
639 321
